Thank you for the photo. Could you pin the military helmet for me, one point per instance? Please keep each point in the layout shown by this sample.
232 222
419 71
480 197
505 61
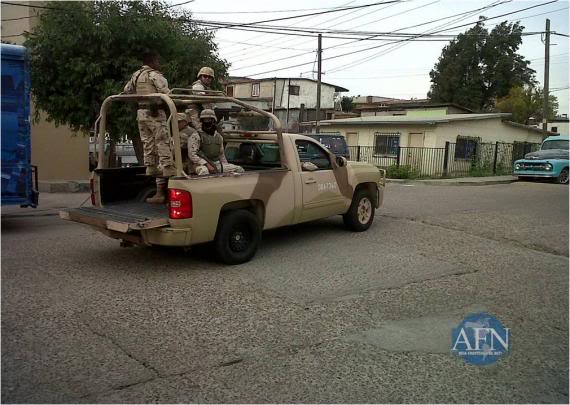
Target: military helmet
206 71
207 113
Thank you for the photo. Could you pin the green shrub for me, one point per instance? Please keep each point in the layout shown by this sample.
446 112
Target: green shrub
401 172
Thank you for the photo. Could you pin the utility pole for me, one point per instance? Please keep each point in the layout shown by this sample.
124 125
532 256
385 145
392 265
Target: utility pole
319 66
546 76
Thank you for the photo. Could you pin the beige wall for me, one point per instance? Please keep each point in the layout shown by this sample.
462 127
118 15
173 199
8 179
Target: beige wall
490 131
58 152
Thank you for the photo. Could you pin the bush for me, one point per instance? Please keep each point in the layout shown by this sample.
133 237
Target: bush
401 172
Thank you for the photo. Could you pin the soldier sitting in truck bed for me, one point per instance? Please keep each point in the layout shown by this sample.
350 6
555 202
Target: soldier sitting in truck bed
206 149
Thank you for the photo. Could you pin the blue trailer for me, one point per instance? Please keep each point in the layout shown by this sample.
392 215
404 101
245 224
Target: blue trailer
19 176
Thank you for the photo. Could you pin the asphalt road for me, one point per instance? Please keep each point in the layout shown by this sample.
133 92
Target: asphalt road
319 315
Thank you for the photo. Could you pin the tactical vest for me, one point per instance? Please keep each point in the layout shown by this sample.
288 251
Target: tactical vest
210 145
143 84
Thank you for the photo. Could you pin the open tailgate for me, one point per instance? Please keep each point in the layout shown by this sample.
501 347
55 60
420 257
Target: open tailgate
120 217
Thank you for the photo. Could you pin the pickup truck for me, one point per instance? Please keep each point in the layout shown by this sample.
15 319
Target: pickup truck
551 161
288 179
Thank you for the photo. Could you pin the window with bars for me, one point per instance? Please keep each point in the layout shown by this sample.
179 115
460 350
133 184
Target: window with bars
255 87
230 91
386 143
465 147
294 90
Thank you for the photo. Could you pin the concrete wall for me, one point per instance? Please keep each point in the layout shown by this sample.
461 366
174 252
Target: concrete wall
59 153
307 93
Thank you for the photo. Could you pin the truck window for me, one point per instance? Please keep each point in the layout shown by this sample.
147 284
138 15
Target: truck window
311 152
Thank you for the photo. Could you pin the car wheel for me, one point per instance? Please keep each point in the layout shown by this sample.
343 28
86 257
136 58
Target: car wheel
360 215
238 237
563 176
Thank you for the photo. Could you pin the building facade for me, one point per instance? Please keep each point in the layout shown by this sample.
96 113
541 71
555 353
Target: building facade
59 153
292 100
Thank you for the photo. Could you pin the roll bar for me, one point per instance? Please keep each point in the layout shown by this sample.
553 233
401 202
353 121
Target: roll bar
207 96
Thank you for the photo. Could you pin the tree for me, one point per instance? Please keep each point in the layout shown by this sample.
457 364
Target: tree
526 102
479 66
346 104
82 52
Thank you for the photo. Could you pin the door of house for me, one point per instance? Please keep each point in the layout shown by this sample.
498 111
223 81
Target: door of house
352 142
414 155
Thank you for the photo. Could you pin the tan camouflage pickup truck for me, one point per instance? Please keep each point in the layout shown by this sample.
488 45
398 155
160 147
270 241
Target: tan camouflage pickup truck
288 179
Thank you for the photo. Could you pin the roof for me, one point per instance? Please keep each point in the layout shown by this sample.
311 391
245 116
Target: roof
410 104
528 127
414 120
236 80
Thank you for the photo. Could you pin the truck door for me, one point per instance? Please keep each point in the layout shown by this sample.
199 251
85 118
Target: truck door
321 194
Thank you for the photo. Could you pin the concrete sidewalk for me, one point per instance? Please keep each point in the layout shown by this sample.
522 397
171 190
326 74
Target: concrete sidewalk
64 186
460 181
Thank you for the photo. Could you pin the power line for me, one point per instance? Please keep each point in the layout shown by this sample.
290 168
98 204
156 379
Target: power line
180 4
312 14
407 39
31 6
265 11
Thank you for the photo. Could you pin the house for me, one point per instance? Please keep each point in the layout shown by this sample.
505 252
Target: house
425 141
385 106
58 152
559 125
292 100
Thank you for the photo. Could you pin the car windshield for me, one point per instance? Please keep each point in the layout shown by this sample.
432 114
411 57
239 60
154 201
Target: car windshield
561 144
336 144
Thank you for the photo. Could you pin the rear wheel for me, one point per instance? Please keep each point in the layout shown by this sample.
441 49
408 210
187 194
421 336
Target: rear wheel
563 176
238 237
361 212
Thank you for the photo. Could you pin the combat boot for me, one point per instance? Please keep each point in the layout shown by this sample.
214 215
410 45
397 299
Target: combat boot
159 197
152 170
169 171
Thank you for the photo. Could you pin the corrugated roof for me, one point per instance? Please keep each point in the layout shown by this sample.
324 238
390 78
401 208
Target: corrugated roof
414 120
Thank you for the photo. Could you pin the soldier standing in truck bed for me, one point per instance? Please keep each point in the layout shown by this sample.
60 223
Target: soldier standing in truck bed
151 119
204 82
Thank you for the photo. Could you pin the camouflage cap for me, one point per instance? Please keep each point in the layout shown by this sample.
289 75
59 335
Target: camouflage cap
206 71
207 113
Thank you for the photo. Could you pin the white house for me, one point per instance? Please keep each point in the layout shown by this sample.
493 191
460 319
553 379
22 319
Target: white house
292 100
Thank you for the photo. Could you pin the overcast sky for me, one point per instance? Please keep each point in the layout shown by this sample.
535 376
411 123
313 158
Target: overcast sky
400 72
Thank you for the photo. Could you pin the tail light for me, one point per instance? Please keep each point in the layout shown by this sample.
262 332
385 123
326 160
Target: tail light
179 204
92 188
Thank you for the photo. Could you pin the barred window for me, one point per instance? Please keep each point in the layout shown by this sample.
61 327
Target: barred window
386 143
294 90
465 147
255 87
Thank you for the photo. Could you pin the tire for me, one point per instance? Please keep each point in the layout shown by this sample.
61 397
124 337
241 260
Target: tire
563 176
238 237
360 215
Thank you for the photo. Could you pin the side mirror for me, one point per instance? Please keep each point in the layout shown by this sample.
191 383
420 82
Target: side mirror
309 167
341 161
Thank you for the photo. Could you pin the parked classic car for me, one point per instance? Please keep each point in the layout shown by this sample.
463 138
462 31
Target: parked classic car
551 161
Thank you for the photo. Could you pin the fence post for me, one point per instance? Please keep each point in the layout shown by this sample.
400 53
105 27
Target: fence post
398 156
445 159
495 157
358 153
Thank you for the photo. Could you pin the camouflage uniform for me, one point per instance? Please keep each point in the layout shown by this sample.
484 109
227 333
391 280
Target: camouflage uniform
153 131
195 109
202 144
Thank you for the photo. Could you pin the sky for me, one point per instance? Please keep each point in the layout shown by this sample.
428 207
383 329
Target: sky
391 71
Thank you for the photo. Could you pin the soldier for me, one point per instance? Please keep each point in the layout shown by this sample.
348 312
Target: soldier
151 119
206 149
204 82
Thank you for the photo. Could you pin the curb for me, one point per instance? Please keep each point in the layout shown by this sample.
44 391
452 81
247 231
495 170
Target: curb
64 186
455 182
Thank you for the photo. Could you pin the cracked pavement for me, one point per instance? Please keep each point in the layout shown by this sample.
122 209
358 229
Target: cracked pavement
320 315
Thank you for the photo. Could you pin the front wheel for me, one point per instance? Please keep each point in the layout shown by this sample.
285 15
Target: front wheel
361 212
563 177
238 237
